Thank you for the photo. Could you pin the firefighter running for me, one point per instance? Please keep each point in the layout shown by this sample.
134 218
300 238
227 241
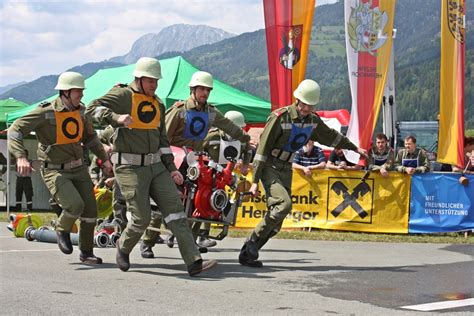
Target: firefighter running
287 130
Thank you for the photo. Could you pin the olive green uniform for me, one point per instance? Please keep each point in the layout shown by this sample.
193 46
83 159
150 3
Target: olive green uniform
142 164
273 165
419 154
375 155
64 172
175 124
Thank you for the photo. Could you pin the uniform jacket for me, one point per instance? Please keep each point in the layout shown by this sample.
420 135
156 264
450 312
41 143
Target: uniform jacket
420 154
175 124
43 122
277 132
118 101
387 153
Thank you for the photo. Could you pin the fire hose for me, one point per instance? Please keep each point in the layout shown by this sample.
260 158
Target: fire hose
43 234
19 223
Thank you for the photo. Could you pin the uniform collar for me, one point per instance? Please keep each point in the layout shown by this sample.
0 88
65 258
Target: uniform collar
134 87
191 104
59 106
384 151
293 112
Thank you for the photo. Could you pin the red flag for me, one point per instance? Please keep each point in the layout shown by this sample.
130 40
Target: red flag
288 30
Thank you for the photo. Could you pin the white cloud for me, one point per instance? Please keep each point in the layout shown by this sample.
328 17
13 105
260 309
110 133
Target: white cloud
41 37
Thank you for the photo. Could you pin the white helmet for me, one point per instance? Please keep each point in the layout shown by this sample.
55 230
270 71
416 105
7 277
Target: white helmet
70 80
236 117
147 67
308 92
201 78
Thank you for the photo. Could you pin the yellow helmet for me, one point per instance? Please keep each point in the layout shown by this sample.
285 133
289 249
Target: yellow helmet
147 67
308 92
236 117
70 80
201 78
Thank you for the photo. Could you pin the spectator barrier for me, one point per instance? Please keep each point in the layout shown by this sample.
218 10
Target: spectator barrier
340 200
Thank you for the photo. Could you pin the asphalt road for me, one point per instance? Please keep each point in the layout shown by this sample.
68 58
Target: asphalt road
299 277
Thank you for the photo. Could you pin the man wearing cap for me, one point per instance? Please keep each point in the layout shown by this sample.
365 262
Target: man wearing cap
188 122
62 131
143 162
287 130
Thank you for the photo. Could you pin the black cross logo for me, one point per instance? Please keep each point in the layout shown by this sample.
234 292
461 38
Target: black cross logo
350 199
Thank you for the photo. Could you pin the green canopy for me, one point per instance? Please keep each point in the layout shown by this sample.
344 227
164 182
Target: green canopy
7 106
173 87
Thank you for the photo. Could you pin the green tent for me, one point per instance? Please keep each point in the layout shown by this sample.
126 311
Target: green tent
7 106
173 87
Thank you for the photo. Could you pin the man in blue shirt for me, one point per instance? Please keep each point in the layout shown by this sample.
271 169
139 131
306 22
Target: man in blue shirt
309 158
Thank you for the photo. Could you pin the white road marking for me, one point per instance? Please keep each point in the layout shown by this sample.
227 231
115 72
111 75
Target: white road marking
28 250
441 305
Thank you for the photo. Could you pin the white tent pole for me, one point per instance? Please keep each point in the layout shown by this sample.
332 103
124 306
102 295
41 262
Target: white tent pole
7 197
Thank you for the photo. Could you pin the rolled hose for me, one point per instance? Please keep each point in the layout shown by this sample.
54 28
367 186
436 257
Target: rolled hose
114 237
21 223
101 239
103 199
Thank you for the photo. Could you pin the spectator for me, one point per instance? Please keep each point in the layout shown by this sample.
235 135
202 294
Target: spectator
24 185
468 157
381 156
309 158
411 159
3 168
337 161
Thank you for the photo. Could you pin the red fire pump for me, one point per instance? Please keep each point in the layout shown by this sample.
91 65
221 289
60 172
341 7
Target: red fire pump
210 180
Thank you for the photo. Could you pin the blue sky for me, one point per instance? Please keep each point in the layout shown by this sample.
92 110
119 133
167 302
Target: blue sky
43 37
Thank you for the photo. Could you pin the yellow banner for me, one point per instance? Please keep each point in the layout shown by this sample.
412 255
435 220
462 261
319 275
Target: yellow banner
339 200
451 121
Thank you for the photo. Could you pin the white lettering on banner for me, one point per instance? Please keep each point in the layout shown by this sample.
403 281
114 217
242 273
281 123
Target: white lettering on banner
444 205
446 212
309 198
433 207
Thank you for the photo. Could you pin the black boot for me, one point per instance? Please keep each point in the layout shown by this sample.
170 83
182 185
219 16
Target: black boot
88 257
253 247
146 251
123 259
202 249
246 261
64 242
199 266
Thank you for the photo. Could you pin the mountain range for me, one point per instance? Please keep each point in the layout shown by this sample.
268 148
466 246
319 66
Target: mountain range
241 61
177 38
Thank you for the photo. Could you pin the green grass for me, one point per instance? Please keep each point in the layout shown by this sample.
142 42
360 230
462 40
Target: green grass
330 235
470 133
